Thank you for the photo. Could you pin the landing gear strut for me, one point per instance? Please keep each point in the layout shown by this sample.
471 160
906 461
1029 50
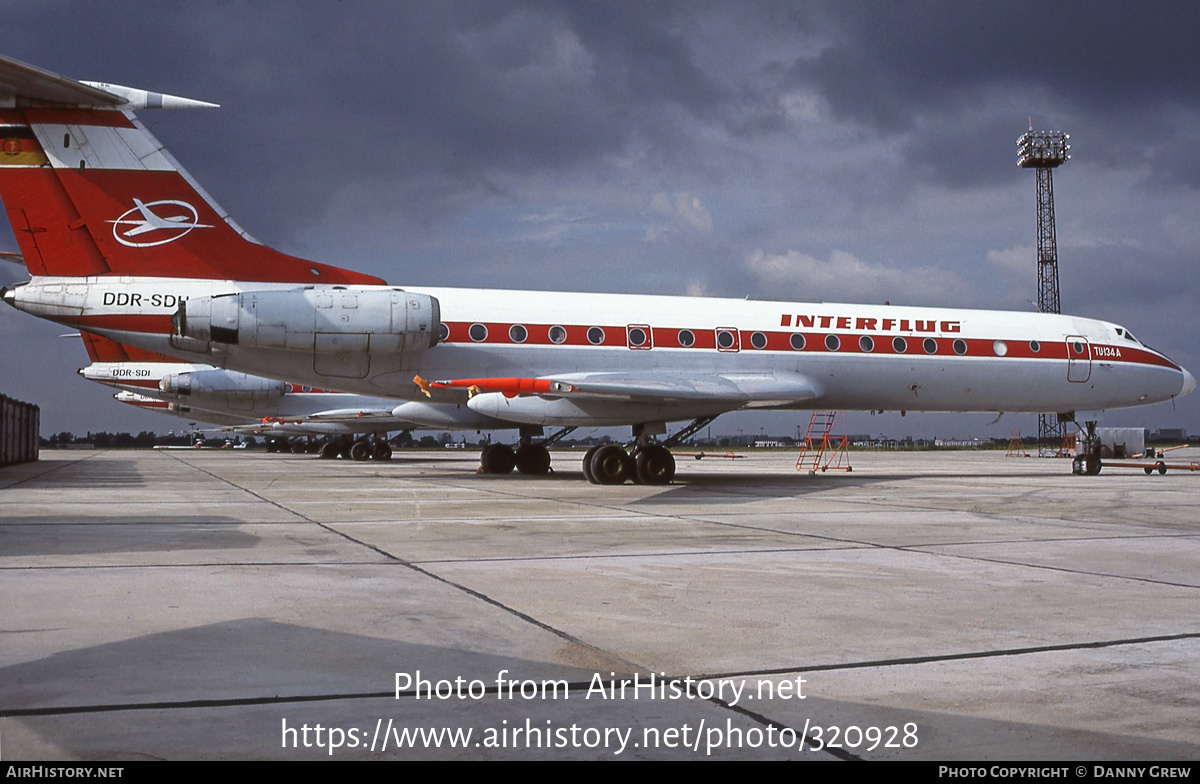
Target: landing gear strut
1087 463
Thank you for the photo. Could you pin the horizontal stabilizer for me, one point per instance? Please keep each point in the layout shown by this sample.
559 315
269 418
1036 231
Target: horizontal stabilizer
144 99
24 85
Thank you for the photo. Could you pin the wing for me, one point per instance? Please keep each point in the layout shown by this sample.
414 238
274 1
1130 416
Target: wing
348 415
618 398
740 390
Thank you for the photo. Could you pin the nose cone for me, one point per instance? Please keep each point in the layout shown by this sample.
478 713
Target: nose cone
1189 383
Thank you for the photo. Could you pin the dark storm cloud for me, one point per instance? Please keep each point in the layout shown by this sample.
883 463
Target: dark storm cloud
438 98
959 74
892 61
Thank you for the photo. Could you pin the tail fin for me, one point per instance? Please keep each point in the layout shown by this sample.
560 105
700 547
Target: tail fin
90 191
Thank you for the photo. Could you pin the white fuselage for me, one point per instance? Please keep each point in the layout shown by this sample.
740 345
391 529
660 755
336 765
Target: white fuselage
854 357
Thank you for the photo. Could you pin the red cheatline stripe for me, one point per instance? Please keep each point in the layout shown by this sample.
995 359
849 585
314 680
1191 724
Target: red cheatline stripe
814 342
128 382
704 339
149 404
125 322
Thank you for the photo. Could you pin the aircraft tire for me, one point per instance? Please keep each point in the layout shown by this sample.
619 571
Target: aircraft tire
655 465
329 450
611 465
533 460
381 450
498 459
1091 466
360 450
587 465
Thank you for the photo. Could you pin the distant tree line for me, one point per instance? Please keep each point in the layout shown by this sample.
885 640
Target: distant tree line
143 440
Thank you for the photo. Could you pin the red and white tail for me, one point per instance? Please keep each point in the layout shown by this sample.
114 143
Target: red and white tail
90 191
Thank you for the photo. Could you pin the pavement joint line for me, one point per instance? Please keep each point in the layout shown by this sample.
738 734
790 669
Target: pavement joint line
628 556
1050 567
963 656
850 544
1087 525
679 517
1055 539
577 685
626 511
425 572
983 513
848 548
640 513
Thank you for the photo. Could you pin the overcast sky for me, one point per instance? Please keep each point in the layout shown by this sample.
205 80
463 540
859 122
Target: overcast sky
805 151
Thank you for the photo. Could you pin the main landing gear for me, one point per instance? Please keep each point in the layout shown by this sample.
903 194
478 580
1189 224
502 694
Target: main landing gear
361 449
529 458
648 461
648 464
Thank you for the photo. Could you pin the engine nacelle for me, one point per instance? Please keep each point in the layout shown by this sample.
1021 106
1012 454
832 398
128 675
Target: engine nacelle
222 384
325 320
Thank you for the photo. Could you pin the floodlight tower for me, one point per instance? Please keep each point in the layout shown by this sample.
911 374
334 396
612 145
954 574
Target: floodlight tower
1043 152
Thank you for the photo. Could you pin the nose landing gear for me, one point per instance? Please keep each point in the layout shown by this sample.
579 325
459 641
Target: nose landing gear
1087 463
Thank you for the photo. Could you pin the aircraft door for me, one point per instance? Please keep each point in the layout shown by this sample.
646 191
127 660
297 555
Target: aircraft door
1079 359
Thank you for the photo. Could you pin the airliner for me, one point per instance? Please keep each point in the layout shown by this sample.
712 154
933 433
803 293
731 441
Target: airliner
76 164
263 406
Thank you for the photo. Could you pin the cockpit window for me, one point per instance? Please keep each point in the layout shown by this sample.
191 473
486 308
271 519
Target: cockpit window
1124 333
